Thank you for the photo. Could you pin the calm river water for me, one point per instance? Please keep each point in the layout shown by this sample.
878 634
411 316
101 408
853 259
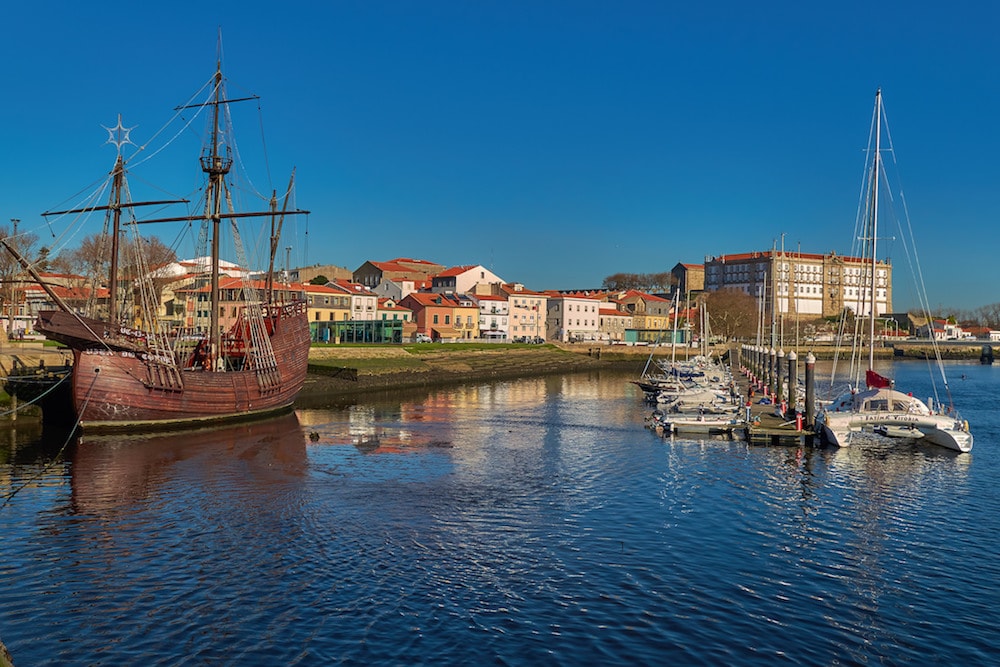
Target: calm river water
520 523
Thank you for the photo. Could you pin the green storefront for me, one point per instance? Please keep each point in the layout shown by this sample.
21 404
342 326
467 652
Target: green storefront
357 331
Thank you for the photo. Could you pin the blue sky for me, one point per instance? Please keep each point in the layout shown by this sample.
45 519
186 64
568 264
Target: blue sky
553 142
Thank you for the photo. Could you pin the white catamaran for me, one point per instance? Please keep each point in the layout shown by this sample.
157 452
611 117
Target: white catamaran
880 408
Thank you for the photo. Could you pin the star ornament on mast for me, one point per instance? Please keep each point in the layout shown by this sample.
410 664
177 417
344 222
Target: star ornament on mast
119 135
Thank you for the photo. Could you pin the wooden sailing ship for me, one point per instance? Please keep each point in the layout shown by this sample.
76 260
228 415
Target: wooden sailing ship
130 370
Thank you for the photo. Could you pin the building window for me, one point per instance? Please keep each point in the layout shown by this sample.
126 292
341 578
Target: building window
435 319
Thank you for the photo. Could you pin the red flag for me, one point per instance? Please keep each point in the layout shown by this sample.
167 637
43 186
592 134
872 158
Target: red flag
876 381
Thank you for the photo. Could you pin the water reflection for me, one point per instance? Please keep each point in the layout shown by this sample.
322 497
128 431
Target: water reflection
26 441
522 522
110 471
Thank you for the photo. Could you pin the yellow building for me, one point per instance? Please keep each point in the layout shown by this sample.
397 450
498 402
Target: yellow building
649 313
327 304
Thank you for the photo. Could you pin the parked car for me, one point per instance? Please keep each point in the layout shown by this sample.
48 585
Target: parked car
422 338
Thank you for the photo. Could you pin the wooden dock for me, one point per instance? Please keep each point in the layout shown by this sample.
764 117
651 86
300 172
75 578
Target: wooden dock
766 428
769 429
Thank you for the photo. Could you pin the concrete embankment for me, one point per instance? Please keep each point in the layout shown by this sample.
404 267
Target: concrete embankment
348 370
353 370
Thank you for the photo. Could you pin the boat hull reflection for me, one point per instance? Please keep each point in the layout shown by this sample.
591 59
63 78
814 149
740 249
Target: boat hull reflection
109 471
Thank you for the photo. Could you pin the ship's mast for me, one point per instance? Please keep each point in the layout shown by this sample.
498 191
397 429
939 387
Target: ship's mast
216 166
276 224
118 177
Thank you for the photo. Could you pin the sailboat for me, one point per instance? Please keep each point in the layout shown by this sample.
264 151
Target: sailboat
130 370
880 408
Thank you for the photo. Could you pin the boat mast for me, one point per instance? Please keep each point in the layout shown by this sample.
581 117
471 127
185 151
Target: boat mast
276 224
876 167
216 166
118 176
673 337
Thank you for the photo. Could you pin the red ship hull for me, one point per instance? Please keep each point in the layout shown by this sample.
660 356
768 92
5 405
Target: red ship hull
118 389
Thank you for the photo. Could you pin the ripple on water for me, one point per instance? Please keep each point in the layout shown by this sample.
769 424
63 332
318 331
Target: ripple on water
521 523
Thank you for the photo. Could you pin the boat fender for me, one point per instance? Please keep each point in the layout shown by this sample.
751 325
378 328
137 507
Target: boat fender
965 426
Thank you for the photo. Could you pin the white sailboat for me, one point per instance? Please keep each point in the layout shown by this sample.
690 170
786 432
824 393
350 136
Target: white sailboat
880 408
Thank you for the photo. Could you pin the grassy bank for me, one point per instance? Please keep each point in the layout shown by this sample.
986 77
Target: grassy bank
427 364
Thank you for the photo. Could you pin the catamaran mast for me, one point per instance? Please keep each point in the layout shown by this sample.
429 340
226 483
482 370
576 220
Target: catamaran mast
876 167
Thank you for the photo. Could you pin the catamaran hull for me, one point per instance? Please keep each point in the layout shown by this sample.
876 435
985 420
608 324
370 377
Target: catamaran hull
116 389
939 430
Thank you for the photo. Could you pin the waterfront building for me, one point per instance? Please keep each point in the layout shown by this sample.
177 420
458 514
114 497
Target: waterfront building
26 298
364 302
650 316
443 316
397 289
494 317
689 279
391 313
573 317
796 283
462 279
465 317
371 273
194 301
527 310
941 330
388 309
326 305
613 323
331 272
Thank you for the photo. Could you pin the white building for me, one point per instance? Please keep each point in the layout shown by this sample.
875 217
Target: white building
397 289
527 312
494 315
364 302
573 318
803 283
462 279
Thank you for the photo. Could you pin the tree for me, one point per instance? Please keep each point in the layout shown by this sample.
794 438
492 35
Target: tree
645 282
153 254
319 280
620 282
92 257
732 313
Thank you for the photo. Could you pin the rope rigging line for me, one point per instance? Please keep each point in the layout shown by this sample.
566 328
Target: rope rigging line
261 351
177 113
37 398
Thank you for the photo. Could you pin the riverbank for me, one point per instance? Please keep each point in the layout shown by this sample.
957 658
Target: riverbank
340 370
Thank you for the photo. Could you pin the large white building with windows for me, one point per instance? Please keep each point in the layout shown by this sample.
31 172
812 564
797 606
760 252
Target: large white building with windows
527 312
794 283
494 316
572 318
